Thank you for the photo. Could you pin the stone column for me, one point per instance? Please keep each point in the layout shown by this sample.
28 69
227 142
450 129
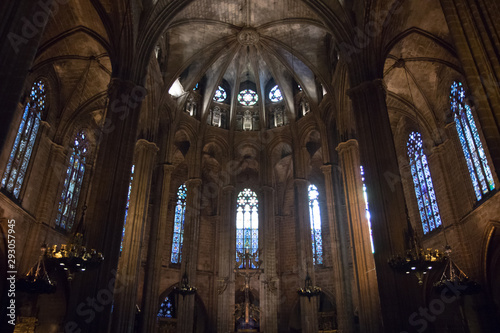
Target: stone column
156 235
47 204
341 282
227 257
308 307
365 277
53 177
474 28
130 260
22 25
91 294
190 253
383 182
442 180
269 290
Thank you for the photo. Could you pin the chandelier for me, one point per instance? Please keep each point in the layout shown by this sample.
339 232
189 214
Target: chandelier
309 290
73 257
184 287
37 281
454 276
417 261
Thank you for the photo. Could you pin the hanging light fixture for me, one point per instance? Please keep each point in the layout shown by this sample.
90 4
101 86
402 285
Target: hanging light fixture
73 257
417 261
37 281
184 287
309 290
454 276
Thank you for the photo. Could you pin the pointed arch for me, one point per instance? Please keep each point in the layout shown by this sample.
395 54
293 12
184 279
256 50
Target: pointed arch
422 181
68 203
315 220
22 149
472 147
247 223
178 237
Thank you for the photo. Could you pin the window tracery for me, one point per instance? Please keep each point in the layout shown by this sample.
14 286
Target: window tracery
422 181
472 147
178 237
315 220
66 212
247 223
17 164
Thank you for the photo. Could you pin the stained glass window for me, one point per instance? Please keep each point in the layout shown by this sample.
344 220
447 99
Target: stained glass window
315 219
128 205
248 97
275 94
22 149
68 203
167 308
220 95
367 208
422 181
247 223
180 211
477 163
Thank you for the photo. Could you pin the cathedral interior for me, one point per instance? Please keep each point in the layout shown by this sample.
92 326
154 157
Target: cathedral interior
250 166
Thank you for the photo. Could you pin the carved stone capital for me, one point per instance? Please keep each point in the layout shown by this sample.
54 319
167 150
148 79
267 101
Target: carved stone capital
45 125
301 181
228 189
267 188
367 87
326 169
146 145
351 144
168 168
440 148
193 182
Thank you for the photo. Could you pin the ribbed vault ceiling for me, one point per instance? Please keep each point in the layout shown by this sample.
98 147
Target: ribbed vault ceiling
252 40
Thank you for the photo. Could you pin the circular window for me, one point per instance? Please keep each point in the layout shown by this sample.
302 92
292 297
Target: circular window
275 94
220 95
248 97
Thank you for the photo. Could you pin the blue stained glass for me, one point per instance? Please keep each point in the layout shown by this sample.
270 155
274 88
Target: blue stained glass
220 95
68 203
468 158
248 97
247 223
474 153
177 239
275 94
367 208
422 181
20 155
472 147
127 206
167 308
315 220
